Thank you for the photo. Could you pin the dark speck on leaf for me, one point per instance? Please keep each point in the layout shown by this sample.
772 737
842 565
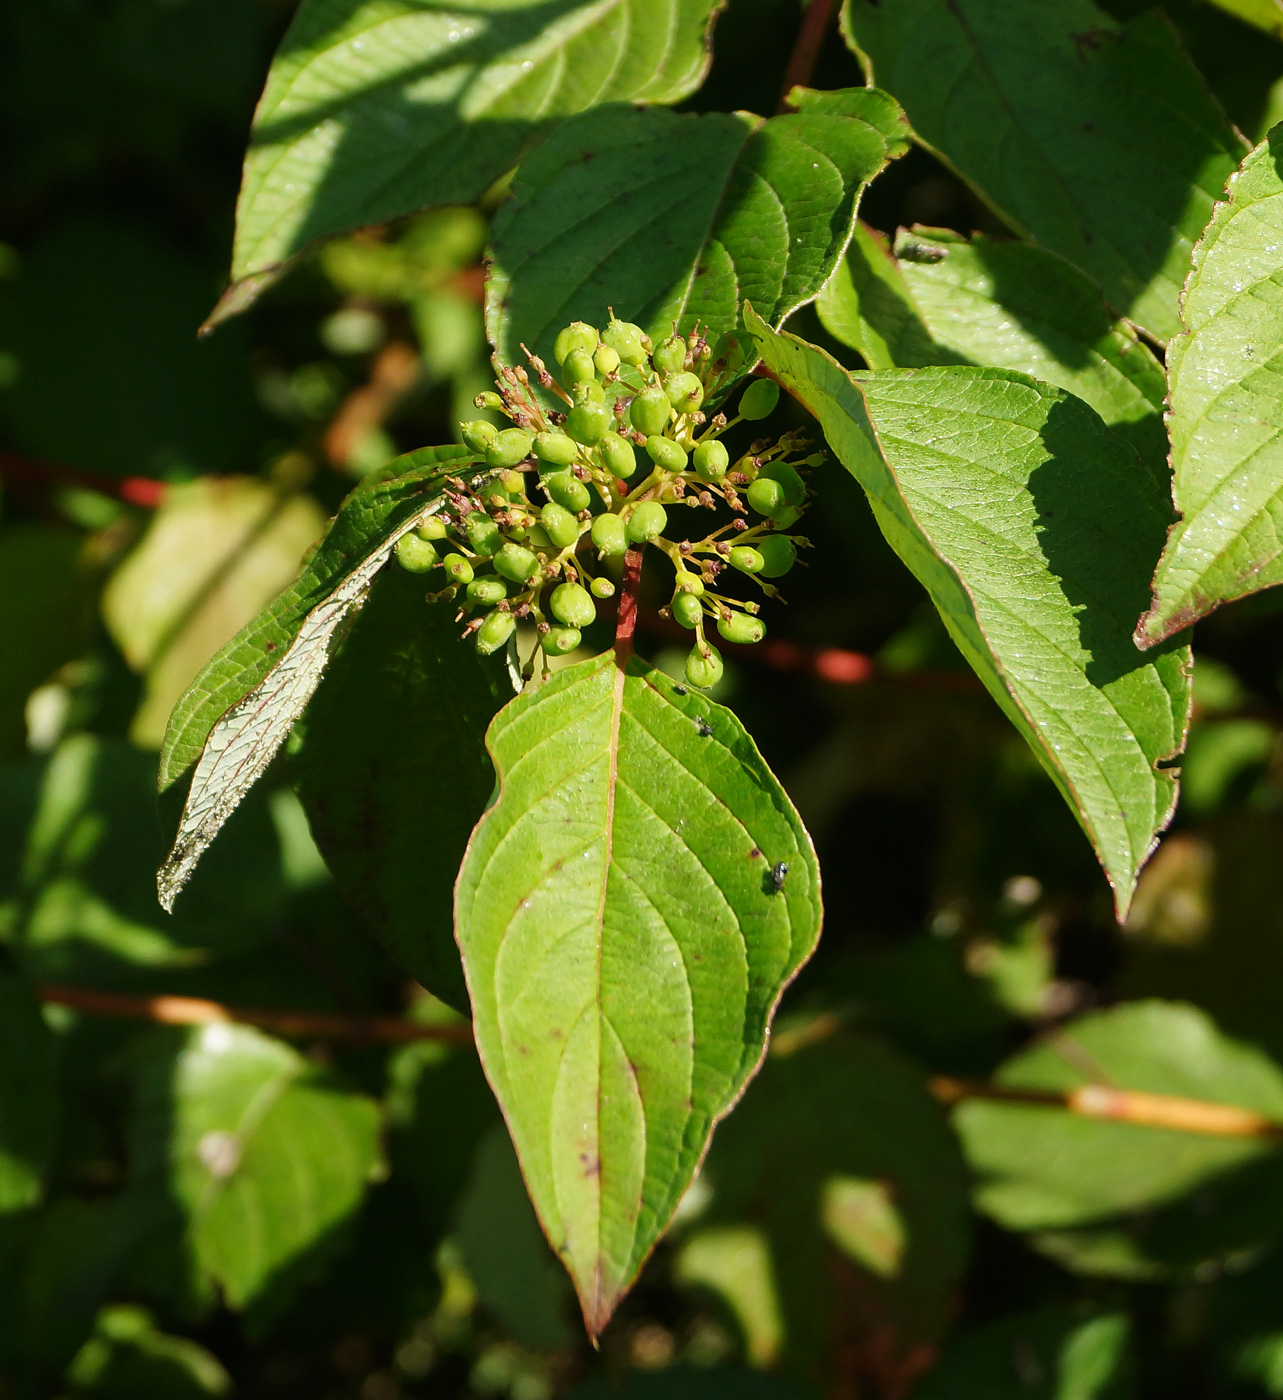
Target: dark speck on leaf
755 854
703 726
269 646
680 690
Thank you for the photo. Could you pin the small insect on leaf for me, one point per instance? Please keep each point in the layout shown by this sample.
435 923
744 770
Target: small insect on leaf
779 873
704 727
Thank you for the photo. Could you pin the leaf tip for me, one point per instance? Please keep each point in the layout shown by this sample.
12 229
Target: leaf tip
239 297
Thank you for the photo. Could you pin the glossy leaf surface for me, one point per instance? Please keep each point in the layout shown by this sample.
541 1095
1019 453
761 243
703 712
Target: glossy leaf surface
376 108
683 218
1032 527
1225 417
941 299
233 717
265 1156
394 772
1095 139
625 948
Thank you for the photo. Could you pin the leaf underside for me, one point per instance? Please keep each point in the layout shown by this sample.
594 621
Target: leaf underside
1225 419
231 720
672 218
377 108
1097 140
1033 529
625 948
393 771
942 299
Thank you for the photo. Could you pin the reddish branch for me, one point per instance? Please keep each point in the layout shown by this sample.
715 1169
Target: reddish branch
806 49
26 473
626 625
195 1011
392 376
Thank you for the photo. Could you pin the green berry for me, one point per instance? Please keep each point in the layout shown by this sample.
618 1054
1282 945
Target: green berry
494 632
567 491
741 628
646 521
572 604
561 525
765 495
586 391
778 555
608 536
687 610
479 434
578 365
488 399
650 411
457 568
711 460
684 390
538 538
704 668
433 528
557 641
790 515
664 452
508 448
483 534
730 352
759 399
790 483
578 335
690 583
515 562
513 484
670 355
627 341
602 588
745 558
589 422
415 555
605 360
487 591
617 456
555 449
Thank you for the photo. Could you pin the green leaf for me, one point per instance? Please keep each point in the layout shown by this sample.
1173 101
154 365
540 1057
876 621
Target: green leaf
683 218
844 1159
232 718
27 1098
216 552
1225 417
1264 14
1097 140
1032 527
376 108
394 774
625 948
1047 1169
944 300
517 1278
265 1156
1044 1354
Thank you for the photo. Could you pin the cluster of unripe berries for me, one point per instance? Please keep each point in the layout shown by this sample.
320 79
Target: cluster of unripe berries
575 486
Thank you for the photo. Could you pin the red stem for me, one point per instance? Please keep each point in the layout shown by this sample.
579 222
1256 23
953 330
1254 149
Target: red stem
806 49
626 625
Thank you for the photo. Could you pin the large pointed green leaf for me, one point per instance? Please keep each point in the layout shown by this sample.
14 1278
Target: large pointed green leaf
1033 528
376 108
231 719
683 218
942 300
625 947
394 772
1095 139
1225 417
265 1157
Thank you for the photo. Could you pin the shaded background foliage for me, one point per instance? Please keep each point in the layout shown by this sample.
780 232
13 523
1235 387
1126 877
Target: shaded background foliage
222 1211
